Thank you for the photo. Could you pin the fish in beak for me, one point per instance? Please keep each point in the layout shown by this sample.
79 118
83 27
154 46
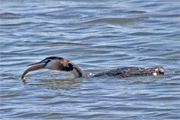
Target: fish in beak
35 66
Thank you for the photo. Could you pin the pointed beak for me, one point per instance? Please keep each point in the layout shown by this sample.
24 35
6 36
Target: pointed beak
35 66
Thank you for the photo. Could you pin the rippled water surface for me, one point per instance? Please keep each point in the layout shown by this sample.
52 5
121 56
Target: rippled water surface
96 36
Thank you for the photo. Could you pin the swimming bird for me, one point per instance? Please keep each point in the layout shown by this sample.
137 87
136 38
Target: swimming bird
61 64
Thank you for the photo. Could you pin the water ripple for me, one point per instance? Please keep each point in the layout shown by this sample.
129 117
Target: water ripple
96 36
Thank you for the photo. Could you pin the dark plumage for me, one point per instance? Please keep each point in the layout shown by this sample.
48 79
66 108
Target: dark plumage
132 71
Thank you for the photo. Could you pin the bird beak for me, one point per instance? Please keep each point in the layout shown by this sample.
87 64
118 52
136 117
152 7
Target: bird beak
35 66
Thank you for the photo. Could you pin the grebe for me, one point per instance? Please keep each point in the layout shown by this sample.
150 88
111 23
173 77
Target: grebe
61 64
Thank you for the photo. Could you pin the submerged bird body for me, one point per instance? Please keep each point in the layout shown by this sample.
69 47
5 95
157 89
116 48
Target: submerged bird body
61 64
132 71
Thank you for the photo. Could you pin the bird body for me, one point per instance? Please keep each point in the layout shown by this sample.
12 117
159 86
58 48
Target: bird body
61 64
132 71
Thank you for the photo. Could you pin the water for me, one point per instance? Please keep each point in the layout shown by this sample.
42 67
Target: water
96 36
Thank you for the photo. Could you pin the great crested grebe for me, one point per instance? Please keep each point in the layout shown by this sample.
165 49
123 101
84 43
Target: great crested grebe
61 64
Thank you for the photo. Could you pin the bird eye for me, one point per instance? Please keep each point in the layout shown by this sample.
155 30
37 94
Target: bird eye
47 61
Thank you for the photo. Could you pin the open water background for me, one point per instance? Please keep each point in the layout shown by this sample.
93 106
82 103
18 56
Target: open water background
96 35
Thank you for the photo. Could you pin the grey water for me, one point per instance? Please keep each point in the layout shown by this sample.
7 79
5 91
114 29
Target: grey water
96 35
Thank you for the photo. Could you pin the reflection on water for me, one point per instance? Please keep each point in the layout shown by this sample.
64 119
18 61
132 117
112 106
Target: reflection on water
96 36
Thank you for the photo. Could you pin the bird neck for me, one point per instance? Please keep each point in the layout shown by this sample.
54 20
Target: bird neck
77 72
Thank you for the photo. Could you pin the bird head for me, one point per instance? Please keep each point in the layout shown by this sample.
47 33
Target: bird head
53 63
